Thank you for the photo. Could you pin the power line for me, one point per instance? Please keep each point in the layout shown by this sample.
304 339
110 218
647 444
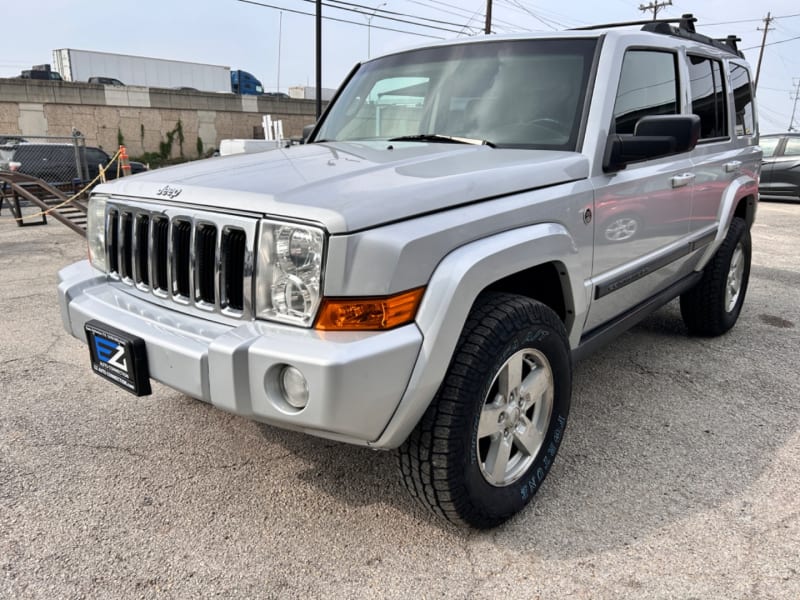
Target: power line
732 22
469 15
539 14
774 43
464 11
748 20
368 10
338 20
794 107
527 11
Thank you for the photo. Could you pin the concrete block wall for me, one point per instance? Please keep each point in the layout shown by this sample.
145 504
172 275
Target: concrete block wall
142 116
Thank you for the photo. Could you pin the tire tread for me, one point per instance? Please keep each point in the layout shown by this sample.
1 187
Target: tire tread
427 467
702 307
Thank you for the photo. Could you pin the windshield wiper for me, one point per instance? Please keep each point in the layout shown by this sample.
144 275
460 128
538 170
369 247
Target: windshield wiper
444 139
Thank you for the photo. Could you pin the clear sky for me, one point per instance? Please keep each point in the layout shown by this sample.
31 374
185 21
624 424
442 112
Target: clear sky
247 36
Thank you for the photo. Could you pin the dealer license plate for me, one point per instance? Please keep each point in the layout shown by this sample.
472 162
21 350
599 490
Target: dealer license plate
119 357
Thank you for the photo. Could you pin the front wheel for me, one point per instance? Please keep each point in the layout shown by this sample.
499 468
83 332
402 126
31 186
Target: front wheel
490 435
712 307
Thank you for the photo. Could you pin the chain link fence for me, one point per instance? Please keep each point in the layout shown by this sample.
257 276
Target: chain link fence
60 161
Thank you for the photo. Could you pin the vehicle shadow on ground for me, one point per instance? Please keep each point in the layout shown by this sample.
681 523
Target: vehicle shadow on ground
352 475
663 427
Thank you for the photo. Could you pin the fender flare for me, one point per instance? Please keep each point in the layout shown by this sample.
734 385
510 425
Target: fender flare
455 284
740 188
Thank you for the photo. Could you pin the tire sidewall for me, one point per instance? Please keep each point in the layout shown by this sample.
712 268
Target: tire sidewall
501 502
739 234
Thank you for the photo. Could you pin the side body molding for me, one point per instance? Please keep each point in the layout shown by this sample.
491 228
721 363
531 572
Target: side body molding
452 290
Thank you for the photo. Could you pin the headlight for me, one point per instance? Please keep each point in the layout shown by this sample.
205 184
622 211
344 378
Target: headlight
96 232
289 272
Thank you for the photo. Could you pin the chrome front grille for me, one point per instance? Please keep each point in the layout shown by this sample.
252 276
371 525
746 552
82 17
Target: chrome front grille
196 259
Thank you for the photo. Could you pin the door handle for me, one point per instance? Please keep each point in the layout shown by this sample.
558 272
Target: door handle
683 179
733 166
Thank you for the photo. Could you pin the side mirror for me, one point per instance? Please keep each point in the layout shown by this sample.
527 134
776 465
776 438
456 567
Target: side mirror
307 131
653 137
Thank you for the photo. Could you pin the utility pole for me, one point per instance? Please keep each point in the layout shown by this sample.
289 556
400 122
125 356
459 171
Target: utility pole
319 58
369 27
488 28
794 109
767 21
655 7
280 32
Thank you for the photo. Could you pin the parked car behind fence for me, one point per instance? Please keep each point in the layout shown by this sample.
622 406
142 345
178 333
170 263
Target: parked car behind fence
64 160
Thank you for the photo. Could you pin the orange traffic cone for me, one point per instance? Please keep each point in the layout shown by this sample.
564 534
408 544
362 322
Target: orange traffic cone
124 161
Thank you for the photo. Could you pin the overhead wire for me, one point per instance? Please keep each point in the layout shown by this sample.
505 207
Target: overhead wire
370 11
339 20
773 43
540 15
466 13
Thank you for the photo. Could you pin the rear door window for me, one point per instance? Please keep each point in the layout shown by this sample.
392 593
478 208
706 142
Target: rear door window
708 96
743 101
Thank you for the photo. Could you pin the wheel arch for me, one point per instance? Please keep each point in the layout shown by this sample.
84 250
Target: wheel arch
746 209
541 262
546 282
740 199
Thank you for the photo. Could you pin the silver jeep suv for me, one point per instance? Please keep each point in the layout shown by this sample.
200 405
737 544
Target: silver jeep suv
464 221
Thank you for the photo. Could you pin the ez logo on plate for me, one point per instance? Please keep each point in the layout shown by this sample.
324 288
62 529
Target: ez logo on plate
110 353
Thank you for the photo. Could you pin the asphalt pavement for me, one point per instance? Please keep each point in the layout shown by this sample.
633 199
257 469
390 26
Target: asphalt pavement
679 474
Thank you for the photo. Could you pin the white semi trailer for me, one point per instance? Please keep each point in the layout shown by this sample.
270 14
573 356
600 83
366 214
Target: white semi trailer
80 65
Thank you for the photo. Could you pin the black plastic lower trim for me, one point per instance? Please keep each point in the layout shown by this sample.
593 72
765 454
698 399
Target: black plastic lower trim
603 334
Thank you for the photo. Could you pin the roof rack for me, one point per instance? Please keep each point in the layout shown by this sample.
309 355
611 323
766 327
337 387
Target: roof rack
685 29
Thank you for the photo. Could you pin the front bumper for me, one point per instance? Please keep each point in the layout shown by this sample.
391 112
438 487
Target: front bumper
355 379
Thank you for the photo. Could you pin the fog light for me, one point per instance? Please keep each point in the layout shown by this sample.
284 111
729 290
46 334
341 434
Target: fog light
294 387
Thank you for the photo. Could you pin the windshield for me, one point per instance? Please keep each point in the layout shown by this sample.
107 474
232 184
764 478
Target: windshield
525 93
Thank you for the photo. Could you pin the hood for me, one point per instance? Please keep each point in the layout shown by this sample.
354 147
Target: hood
349 186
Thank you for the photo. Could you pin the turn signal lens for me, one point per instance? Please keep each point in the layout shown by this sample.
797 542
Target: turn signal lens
368 314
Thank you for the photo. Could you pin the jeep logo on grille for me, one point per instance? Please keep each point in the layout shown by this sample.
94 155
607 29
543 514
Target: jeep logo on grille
169 192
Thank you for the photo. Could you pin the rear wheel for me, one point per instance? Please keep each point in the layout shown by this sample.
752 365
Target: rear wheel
490 435
712 307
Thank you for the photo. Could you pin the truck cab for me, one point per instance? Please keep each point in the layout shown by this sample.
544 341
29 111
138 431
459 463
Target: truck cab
245 83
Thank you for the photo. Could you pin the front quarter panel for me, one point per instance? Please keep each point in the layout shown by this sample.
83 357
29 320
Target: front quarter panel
453 288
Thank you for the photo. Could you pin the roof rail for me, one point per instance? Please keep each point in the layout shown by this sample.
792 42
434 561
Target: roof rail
685 29
686 20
